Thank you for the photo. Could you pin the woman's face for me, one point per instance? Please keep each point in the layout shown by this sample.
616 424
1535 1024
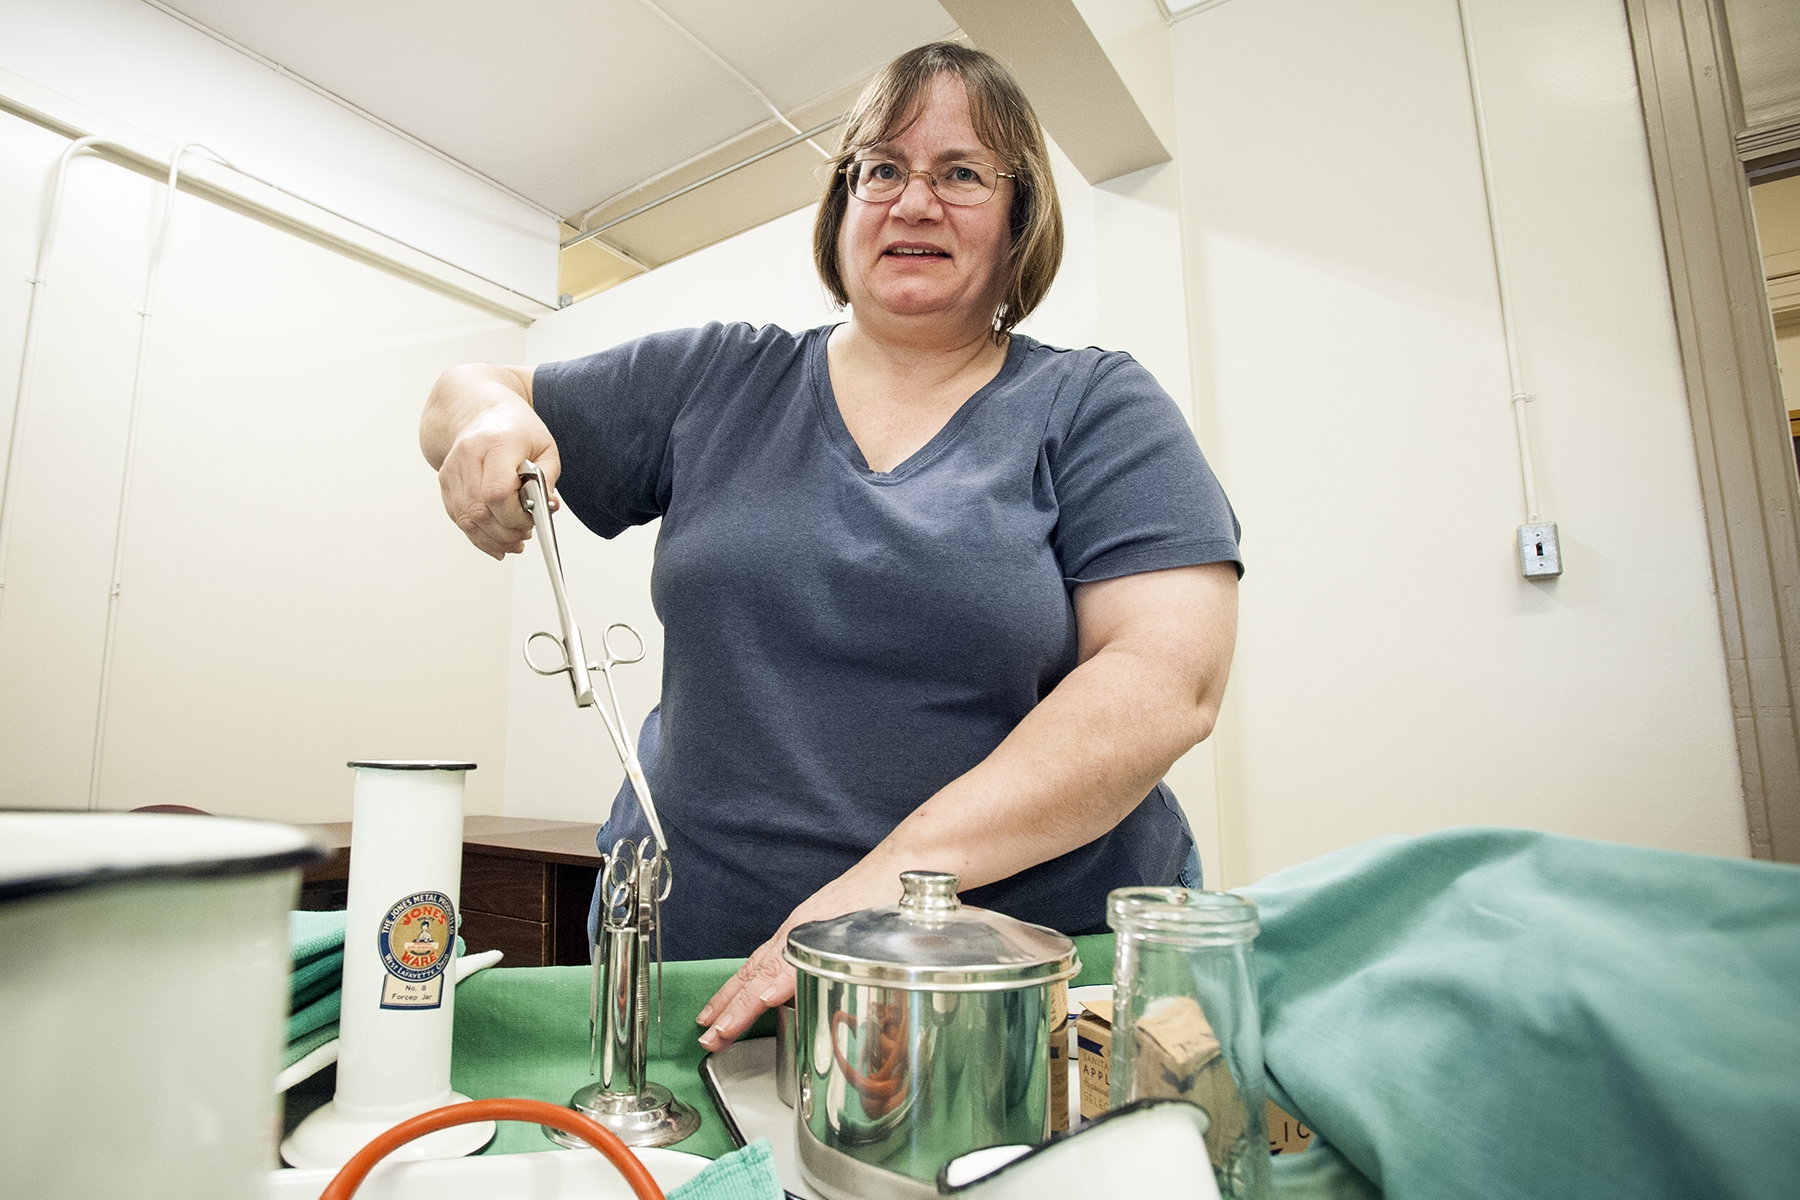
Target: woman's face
914 255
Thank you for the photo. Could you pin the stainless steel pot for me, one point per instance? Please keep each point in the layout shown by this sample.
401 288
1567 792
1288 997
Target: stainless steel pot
922 1033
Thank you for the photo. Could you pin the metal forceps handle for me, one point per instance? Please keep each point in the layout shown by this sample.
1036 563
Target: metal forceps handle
620 880
535 496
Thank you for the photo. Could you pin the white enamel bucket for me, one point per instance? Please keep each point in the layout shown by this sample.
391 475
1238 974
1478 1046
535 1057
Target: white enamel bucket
144 981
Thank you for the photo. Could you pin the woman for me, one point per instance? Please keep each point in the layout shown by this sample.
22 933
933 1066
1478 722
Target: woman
935 596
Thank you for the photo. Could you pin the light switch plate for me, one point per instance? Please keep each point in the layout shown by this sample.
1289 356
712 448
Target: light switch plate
1540 555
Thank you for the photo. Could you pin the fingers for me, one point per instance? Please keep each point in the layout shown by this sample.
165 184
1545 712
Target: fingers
725 995
480 479
473 498
506 517
549 461
764 981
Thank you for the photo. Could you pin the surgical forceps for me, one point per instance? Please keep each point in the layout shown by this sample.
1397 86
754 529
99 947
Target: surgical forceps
534 494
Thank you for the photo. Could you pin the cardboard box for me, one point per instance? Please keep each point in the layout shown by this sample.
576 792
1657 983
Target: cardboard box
1177 1056
1286 1134
1093 1035
1093 1042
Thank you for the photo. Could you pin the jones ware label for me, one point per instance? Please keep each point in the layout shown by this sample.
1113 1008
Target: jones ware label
415 942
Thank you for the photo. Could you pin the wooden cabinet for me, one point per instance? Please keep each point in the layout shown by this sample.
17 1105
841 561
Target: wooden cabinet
526 886
533 909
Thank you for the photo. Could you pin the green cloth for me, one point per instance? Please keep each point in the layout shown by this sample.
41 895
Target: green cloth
747 1174
316 1015
304 1045
323 974
316 946
523 1031
1096 955
311 934
1497 1013
1318 1173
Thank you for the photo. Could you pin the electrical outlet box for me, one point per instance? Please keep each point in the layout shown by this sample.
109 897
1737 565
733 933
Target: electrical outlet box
1540 557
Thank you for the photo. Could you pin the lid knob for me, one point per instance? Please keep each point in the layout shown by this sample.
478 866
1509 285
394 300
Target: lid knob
929 891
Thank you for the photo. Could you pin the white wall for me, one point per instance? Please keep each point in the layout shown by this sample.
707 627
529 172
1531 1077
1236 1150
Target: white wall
160 75
293 595
1394 672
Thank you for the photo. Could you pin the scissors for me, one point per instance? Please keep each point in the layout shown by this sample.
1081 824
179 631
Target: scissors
534 494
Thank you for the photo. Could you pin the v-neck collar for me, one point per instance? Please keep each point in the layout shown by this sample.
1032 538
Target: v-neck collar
838 433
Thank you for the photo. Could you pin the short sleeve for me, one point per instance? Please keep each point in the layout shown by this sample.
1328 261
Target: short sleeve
612 415
1133 491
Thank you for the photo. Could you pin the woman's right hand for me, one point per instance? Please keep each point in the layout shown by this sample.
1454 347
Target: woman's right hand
477 429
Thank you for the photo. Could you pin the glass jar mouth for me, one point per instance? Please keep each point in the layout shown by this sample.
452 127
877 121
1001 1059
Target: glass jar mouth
1182 914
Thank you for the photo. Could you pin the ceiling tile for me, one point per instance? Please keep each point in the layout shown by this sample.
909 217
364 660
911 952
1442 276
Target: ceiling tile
564 101
797 50
571 102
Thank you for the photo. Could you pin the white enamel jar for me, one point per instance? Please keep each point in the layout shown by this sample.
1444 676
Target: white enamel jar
144 981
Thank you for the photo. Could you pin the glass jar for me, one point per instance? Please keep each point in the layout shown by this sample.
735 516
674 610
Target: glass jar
1185 1020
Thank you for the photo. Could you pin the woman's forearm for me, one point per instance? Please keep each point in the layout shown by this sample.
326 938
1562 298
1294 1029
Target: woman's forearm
1147 691
460 396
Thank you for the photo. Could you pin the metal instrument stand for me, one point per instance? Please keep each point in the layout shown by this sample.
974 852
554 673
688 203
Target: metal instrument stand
642 1113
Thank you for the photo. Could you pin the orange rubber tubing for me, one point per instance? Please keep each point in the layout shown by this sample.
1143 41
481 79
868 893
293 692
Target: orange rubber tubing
351 1175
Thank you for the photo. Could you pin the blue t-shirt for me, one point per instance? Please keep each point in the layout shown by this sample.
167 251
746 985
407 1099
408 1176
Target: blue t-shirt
840 642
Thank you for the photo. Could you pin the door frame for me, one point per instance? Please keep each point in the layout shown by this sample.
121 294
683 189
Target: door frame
1700 150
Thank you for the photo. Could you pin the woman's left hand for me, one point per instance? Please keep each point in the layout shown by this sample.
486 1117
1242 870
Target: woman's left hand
766 980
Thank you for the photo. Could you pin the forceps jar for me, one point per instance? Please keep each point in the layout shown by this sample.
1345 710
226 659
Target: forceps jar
1185 1020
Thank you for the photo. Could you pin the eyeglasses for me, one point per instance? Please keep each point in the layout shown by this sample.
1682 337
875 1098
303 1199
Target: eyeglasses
878 180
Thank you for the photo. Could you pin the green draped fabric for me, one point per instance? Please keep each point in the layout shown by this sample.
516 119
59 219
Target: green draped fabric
1496 1013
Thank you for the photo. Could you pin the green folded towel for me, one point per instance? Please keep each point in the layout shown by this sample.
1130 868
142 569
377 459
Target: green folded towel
747 1174
321 975
316 946
311 934
304 1045
323 1011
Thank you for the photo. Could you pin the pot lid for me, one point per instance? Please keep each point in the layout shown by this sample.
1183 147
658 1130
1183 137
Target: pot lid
931 940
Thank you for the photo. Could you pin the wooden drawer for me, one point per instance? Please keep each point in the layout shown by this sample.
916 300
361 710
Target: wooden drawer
574 891
509 887
525 943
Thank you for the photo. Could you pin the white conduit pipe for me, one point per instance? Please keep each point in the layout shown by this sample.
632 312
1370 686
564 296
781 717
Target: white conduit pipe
40 281
131 438
1520 396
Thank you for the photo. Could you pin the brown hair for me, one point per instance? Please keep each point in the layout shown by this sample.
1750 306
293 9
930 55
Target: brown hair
1005 123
